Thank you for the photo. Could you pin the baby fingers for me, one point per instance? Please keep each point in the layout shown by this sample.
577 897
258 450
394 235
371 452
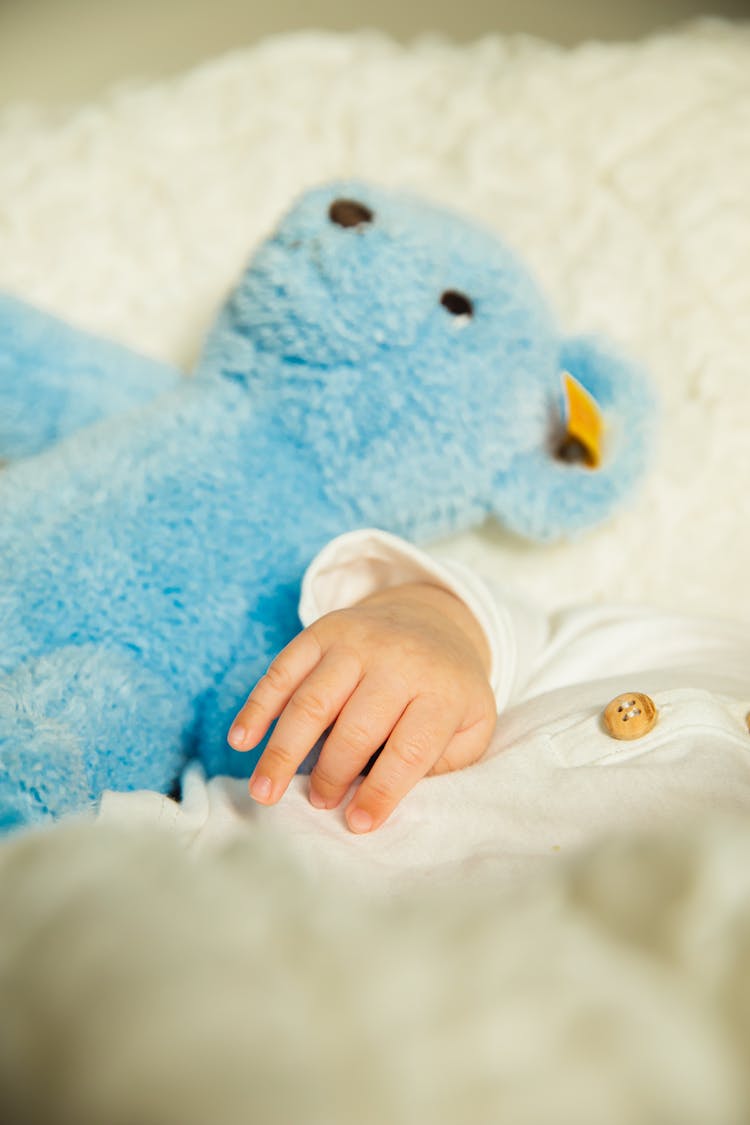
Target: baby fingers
306 713
363 726
274 690
417 742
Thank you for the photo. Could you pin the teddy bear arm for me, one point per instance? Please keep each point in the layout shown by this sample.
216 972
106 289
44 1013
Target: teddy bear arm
56 379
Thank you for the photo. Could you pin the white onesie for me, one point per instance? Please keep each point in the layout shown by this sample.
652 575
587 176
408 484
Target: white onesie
553 778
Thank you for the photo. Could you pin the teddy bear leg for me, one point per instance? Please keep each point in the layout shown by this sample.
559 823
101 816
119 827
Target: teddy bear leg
55 379
82 719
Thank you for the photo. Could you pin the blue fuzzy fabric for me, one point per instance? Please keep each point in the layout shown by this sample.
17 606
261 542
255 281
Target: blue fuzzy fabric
150 563
54 379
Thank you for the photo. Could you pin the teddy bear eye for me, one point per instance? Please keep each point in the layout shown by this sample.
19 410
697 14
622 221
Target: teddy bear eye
349 213
456 303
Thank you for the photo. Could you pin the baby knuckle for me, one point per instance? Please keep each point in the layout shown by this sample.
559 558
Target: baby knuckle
325 780
456 685
450 698
412 751
253 706
276 677
378 795
357 737
327 629
309 707
277 759
351 655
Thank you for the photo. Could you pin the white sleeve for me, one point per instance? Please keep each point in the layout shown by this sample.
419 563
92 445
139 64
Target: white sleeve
359 563
602 641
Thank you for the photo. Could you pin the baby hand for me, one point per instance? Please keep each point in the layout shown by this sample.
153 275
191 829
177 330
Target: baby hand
406 669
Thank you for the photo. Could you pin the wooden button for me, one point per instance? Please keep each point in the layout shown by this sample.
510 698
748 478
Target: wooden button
629 716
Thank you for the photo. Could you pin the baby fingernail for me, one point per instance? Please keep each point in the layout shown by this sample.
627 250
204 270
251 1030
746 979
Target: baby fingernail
236 734
359 820
316 800
260 787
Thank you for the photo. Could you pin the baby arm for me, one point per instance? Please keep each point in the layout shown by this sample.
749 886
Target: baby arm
406 668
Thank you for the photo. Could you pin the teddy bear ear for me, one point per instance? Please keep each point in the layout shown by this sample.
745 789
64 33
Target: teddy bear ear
597 448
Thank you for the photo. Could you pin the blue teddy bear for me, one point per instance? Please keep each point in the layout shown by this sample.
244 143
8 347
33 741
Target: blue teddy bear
382 362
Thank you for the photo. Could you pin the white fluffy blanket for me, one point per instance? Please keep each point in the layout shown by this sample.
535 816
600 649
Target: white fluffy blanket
612 989
621 172
142 985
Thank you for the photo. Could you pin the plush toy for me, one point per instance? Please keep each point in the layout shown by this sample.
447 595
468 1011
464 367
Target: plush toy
380 363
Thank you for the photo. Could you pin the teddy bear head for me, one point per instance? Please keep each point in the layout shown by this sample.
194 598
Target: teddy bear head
412 354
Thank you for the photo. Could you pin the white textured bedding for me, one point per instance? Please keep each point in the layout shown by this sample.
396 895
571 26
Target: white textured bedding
622 173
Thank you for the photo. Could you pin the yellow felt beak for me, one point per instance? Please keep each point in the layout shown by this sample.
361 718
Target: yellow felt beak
583 420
